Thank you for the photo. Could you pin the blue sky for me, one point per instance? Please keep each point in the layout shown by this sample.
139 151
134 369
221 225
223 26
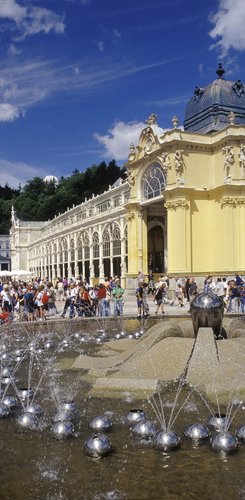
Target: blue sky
78 78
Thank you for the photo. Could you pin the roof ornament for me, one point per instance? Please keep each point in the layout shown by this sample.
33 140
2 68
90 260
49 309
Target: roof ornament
231 117
238 88
152 120
175 121
220 71
197 93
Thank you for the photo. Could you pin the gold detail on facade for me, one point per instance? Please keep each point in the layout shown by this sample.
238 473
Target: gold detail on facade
233 201
173 205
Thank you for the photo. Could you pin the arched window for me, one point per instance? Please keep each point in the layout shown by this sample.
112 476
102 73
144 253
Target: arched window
153 182
72 248
106 244
96 248
116 241
86 247
79 249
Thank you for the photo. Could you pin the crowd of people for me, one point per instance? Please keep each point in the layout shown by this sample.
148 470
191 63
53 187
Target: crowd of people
35 300
232 292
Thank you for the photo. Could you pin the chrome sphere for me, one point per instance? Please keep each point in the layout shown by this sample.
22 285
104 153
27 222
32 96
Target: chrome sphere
25 393
19 355
63 428
145 429
62 415
4 410
240 433
102 423
197 432
28 420
98 445
219 422
49 344
68 406
131 336
35 409
225 442
137 335
6 371
6 380
65 344
117 336
135 416
10 401
167 440
6 358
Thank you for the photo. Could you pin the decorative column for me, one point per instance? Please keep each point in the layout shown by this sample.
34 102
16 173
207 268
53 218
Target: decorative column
179 235
76 255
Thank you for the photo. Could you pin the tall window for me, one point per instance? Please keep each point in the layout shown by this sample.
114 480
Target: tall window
106 244
116 241
153 182
96 248
86 247
72 248
79 249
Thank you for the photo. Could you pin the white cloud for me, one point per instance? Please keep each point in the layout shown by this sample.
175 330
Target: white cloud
119 138
9 113
15 173
31 20
101 46
24 83
229 22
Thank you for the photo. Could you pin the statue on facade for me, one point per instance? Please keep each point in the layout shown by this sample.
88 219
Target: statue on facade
229 159
179 162
165 161
152 120
242 156
131 177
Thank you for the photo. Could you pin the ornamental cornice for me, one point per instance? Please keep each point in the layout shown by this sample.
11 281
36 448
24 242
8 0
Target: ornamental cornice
174 204
233 201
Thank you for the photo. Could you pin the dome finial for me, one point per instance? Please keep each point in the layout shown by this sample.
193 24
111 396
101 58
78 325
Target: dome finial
220 71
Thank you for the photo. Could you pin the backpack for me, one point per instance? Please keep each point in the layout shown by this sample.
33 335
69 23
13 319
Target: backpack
44 299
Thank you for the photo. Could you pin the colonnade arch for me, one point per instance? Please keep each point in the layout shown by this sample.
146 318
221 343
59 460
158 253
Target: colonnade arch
93 253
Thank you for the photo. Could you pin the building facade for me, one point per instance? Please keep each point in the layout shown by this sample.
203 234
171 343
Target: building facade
181 210
5 260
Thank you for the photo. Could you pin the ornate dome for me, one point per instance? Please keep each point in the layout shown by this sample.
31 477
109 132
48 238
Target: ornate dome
213 107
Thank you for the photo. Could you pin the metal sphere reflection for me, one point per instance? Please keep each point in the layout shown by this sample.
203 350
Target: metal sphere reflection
4 410
10 401
98 445
167 440
224 442
63 428
28 420
240 433
134 416
101 423
219 422
197 432
145 429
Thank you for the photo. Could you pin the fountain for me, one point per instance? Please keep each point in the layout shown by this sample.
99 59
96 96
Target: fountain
157 384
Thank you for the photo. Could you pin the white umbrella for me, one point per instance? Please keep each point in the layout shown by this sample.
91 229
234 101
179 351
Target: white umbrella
5 273
20 272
